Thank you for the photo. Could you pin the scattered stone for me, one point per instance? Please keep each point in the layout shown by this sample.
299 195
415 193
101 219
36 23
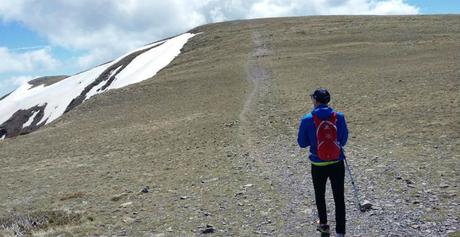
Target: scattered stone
308 211
72 196
248 185
170 229
126 204
229 125
452 193
443 185
128 220
239 193
145 189
208 230
209 180
118 197
408 181
183 197
366 205
156 235
123 233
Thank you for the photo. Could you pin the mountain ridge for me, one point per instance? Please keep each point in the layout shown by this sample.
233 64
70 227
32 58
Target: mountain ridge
30 96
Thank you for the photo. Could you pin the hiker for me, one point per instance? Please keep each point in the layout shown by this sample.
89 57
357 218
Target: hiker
325 132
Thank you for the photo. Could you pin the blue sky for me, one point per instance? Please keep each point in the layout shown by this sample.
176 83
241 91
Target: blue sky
52 37
18 37
437 6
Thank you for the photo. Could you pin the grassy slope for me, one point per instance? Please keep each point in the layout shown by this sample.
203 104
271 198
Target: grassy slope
191 133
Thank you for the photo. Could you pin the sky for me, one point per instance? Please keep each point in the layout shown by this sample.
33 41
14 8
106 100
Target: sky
64 37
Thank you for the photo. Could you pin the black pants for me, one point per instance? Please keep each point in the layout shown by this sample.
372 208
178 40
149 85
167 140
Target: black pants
336 174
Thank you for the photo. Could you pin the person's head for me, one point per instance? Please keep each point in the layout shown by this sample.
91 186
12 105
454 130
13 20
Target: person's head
320 96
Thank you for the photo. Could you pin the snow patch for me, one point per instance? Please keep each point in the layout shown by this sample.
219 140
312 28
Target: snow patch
31 119
149 63
60 94
96 90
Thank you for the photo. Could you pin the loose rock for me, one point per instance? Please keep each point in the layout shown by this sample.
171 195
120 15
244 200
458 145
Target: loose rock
145 189
119 196
366 205
126 204
208 230
443 185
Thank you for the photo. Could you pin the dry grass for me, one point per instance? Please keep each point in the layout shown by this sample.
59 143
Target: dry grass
69 196
35 222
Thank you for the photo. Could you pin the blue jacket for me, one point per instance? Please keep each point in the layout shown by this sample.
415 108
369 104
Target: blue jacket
307 132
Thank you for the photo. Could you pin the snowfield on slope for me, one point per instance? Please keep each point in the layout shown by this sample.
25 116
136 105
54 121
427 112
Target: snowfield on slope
133 67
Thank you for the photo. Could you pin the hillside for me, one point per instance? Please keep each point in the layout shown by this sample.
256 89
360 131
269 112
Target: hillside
213 136
43 100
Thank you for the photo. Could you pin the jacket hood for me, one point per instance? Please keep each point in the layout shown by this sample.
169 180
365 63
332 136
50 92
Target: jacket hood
323 111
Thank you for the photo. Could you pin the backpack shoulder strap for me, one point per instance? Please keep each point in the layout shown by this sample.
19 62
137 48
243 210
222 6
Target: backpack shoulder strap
333 117
316 120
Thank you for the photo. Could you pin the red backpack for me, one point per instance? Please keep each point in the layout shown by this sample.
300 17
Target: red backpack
328 149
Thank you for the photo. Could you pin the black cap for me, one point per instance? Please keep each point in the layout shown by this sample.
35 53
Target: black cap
321 95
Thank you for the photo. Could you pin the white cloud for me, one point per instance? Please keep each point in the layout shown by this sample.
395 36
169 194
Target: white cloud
393 7
27 61
18 80
268 8
11 83
106 28
367 7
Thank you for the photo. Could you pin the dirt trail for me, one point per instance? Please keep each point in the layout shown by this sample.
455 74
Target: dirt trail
257 75
276 159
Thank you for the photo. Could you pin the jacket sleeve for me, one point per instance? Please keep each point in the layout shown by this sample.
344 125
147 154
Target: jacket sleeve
302 136
343 130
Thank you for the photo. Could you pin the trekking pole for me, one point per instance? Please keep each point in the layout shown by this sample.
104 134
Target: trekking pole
362 208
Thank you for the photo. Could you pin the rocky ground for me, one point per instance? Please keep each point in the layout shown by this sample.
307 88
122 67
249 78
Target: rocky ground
208 146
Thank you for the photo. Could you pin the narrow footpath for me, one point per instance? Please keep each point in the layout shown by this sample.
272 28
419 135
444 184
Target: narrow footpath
276 156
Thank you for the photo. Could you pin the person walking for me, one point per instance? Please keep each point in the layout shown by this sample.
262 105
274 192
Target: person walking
325 132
